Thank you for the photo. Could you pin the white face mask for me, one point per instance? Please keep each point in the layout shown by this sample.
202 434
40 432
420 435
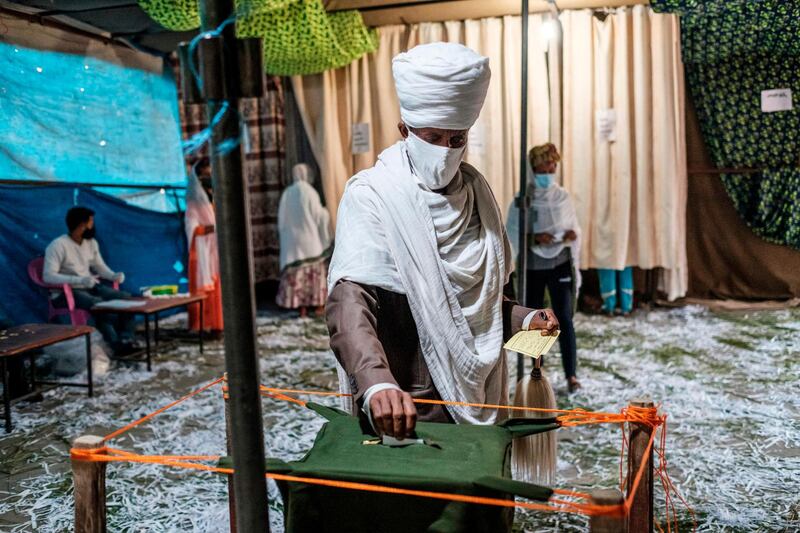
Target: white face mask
435 166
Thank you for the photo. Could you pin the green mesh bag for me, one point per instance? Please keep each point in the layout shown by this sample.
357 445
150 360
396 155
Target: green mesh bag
299 36
461 459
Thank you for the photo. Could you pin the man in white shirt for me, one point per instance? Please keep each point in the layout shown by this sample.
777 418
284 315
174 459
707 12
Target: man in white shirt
74 259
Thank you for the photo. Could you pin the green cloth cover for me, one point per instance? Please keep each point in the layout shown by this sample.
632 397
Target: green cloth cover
465 459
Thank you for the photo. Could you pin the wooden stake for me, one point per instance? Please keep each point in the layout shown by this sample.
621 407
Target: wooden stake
640 519
89 479
231 495
607 524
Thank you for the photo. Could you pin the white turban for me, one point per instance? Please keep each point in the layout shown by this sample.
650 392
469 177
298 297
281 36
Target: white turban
441 85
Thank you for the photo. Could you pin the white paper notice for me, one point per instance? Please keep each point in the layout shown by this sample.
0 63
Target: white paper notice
776 100
360 143
606 125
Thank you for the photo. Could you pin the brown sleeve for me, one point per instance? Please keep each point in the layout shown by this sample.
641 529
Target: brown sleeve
513 315
352 323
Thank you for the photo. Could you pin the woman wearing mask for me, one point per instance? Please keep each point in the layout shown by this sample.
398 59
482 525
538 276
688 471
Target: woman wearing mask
304 228
554 250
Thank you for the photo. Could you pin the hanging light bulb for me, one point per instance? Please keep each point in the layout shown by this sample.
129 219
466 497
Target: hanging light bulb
549 31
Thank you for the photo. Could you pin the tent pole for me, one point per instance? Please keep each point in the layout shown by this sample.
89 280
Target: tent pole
522 199
238 299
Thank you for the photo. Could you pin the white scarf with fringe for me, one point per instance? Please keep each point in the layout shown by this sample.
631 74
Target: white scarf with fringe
449 254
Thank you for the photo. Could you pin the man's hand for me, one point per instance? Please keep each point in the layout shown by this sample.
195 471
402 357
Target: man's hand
543 238
570 236
119 277
89 281
544 320
393 413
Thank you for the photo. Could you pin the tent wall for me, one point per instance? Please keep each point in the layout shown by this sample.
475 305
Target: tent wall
629 186
630 193
149 247
47 38
726 259
363 93
264 160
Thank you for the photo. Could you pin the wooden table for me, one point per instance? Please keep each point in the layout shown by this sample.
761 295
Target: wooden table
152 307
27 339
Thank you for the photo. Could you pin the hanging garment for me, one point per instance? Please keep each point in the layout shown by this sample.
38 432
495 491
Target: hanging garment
203 257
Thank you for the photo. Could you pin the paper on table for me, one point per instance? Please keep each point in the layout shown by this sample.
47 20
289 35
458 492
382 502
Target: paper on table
121 304
531 343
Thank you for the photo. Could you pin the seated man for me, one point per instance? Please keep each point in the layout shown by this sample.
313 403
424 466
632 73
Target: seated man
75 259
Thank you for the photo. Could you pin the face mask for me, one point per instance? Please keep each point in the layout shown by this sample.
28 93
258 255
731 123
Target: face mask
543 181
435 166
88 233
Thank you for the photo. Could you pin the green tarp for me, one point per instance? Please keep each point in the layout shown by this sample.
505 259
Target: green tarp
460 459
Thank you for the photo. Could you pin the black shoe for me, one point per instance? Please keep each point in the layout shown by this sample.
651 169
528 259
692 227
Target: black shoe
123 349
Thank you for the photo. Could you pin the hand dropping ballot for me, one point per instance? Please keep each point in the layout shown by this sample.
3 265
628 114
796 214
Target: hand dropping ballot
531 343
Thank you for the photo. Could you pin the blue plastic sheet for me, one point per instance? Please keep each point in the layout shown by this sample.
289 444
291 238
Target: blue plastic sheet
146 245
78 119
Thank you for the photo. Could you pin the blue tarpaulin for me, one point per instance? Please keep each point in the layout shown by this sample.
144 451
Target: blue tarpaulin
76 119
150 247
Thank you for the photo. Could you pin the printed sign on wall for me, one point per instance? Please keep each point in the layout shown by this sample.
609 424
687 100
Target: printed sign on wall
360 144
606 125
776 100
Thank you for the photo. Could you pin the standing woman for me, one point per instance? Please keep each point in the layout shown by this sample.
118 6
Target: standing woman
203 255
304 228
554 250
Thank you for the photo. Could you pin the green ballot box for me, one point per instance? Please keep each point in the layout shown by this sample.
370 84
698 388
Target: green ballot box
457 459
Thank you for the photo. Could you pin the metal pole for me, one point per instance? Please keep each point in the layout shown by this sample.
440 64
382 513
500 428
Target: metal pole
238 299
522 199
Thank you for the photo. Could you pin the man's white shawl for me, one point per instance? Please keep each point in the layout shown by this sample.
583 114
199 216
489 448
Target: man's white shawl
449 254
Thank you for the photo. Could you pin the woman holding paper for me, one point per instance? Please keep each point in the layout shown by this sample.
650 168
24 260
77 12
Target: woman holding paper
554 250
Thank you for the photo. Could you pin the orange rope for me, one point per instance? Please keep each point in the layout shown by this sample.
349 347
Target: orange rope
569 417
145 418
270 391
109 455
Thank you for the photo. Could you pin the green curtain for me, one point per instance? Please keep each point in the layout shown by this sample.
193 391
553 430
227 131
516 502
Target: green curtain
299 36
733 50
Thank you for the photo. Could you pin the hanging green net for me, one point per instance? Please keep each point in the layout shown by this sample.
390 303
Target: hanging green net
299 36
733 50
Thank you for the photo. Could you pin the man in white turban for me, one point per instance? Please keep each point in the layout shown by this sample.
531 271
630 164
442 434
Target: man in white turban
416 306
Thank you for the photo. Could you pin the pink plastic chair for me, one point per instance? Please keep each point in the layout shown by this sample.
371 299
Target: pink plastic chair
78 317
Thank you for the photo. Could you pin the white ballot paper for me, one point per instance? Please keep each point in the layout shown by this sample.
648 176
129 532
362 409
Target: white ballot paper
531 343
121 304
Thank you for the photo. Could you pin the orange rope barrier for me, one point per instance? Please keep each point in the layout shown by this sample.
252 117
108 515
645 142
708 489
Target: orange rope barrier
109 455
145 418
568 418
268 391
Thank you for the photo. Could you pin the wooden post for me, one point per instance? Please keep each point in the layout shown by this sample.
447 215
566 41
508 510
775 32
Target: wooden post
640 518
608 523
231 496
89 479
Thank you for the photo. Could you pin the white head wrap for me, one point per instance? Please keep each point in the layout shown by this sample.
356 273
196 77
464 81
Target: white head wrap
441 85
302 172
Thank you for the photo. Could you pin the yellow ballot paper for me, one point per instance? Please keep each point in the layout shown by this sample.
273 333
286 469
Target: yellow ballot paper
531 343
